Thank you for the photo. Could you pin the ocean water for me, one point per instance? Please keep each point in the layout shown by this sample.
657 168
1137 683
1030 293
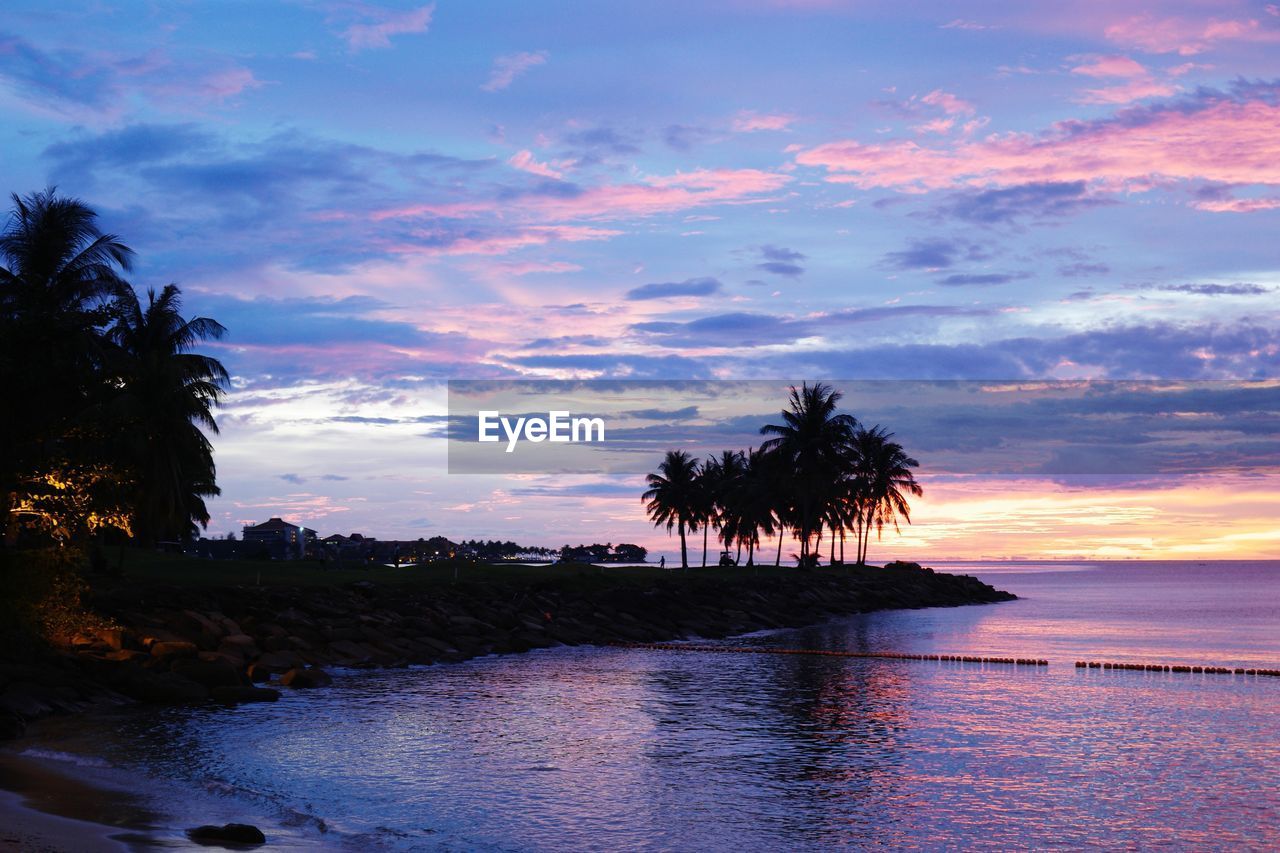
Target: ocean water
608 749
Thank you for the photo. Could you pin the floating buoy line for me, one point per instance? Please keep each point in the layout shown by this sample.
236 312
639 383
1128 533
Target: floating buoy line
1162 667
1038 662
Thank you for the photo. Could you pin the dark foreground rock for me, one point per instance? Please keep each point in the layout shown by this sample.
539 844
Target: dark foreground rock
231 833
235 644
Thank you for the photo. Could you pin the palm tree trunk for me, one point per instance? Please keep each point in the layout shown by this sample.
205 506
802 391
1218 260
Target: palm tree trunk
778 562
684 550
705 526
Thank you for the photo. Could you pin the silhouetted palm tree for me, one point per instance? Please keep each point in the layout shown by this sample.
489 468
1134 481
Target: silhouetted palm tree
811 444
819 472
168 395
886 480
723 479
755 503
58 276
674 497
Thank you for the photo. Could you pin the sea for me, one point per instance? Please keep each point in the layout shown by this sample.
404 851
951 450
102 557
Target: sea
591 748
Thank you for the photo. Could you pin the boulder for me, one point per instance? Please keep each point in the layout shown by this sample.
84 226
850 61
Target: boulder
170 649
258 674
238 651
311 677
204 623
281 661
234 695
160 688
272 629
231 833
113 637
439 646
153 635
210 673
126 654
351 650
273 643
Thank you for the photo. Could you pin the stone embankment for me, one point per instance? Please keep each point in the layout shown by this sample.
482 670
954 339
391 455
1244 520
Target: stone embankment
245 643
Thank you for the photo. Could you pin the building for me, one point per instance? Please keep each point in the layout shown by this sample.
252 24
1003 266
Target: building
282 540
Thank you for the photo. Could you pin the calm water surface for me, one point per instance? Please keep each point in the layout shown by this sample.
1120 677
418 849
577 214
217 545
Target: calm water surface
605 749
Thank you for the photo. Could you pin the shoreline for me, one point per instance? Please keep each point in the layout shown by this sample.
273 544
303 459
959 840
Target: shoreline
27 828
233 644
165 644
44 807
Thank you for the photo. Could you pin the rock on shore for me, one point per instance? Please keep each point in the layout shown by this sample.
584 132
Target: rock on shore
238 643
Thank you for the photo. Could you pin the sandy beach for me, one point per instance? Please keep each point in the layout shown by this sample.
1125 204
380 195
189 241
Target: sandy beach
43 808
27 829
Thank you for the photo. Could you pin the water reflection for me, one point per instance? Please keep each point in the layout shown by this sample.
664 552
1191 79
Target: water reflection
609 748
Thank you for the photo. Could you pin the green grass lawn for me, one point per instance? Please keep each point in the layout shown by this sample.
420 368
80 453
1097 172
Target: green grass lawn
150 566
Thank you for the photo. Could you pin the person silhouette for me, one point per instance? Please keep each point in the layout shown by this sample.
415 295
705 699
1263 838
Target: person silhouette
662 563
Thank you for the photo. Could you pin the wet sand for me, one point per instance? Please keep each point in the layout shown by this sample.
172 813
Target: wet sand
46 809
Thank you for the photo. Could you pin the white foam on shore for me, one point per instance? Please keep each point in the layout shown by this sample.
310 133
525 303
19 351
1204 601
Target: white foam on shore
64 757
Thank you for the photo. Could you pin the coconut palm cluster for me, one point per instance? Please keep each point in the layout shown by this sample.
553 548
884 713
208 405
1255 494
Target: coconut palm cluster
818 474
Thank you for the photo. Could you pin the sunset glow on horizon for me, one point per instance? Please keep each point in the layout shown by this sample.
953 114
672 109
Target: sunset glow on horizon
375 198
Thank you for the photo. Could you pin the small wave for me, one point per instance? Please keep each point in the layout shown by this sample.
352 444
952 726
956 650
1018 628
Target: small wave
65 757
287 814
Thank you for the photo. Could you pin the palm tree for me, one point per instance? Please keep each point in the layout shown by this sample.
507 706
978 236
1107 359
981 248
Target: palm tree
755 503
167 397
886 480
673 497
724 476
58 275
811 443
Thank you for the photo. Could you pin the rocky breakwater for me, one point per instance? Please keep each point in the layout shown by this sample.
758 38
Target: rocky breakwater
245 643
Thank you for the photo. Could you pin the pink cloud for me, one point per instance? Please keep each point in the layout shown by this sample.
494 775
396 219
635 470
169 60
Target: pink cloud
1215 139
1127 93
388 24
948 103
655 195
507 68
215 86
962 24
938 125
531 267
748 121
1184 36
525 162
1110 66
499 244
1237 205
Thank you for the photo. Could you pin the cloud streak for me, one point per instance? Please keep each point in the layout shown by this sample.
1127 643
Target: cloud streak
387 23
1212 135
510 66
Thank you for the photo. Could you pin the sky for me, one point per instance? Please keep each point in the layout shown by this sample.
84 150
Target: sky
375 198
